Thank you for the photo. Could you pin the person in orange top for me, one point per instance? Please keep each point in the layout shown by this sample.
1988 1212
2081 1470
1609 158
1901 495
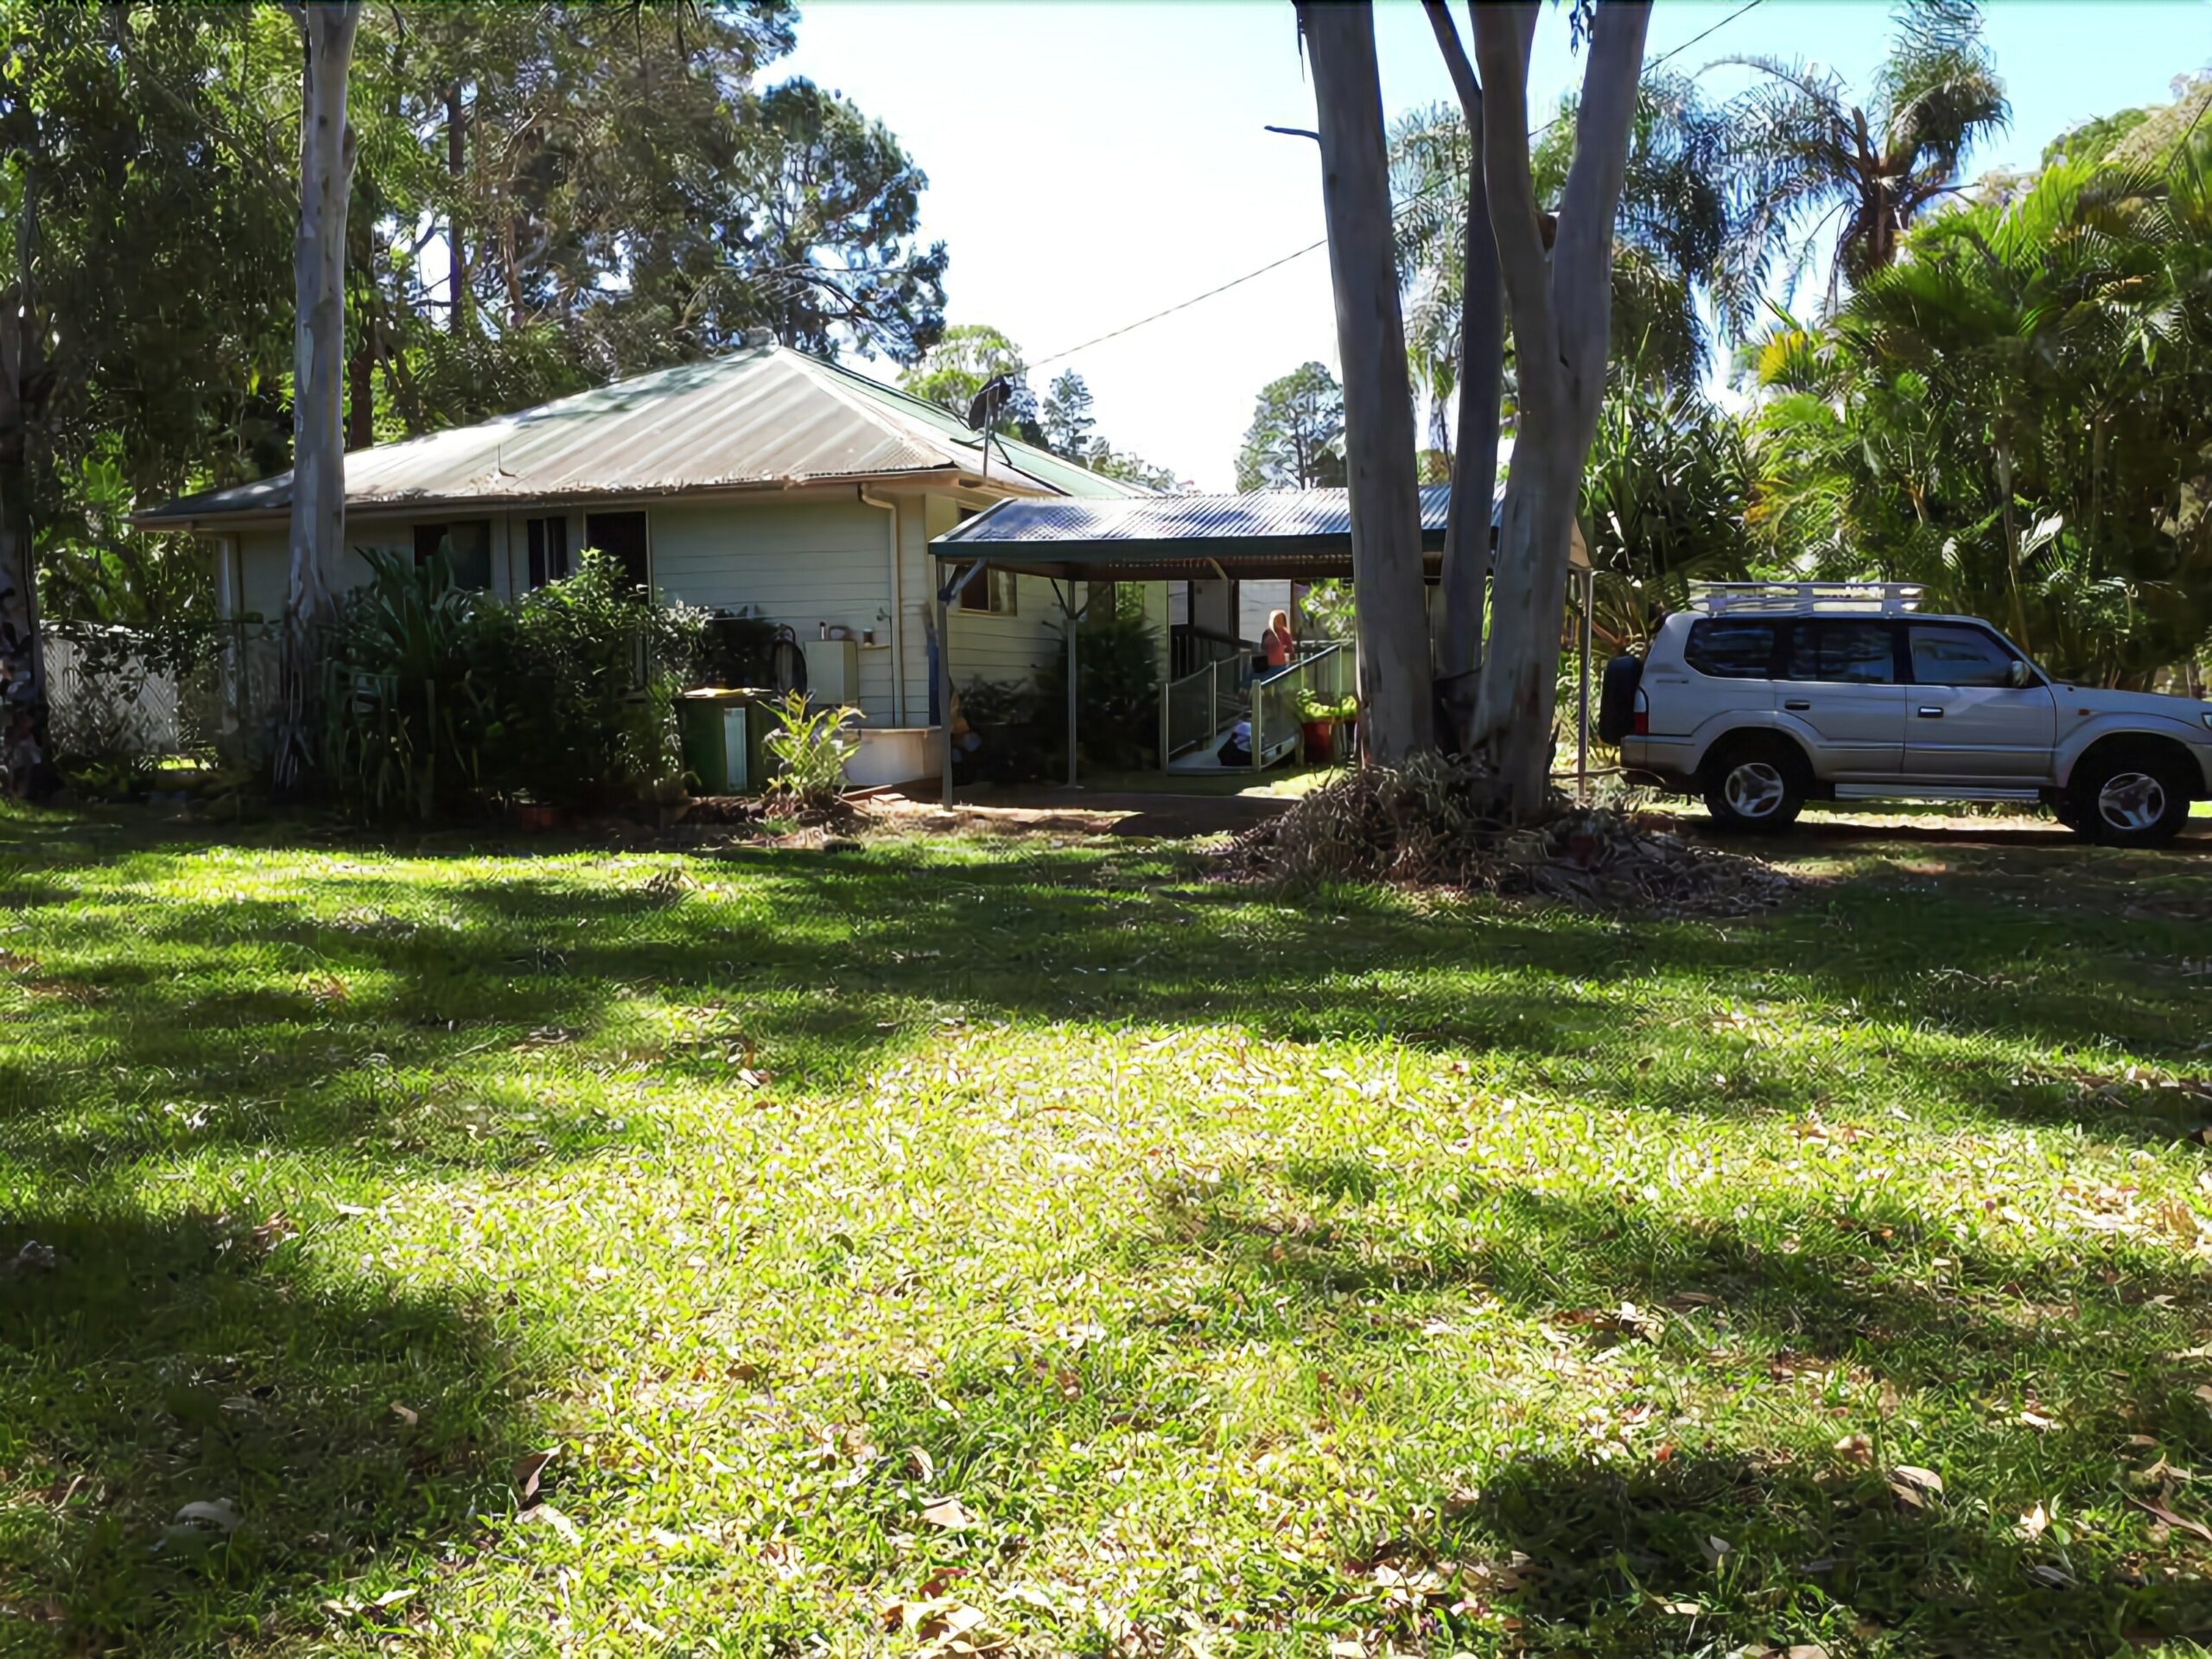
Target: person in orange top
1276 645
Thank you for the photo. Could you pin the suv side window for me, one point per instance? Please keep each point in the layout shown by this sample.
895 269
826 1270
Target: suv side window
1946 653
1841 652
1730 648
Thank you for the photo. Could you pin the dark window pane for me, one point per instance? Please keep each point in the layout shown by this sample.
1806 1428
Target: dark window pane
466 547
989 590
1730 648
622 536
1850 653
1858 653
1947 654
549 551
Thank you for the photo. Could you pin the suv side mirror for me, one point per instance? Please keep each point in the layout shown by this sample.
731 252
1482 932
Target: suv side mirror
2020 675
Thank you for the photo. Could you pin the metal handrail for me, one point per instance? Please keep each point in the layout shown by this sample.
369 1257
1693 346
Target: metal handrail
1213 690
1278 716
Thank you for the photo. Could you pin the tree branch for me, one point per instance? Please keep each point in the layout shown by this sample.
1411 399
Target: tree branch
1582 252
1503 34
1455 60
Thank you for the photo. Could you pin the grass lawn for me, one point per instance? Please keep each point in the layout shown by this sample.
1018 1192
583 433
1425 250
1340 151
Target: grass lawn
1034 1246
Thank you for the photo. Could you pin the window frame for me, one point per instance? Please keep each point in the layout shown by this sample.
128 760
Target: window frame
1900 658
541 555
440 535
645 576
998 600
2005 647
1774 645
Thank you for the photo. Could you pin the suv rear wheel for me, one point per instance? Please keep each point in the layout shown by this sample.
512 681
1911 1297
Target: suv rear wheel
1754 785
2128 797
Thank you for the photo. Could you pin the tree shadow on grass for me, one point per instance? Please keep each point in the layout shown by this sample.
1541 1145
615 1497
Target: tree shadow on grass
179 1359
1823 1309
1713 1553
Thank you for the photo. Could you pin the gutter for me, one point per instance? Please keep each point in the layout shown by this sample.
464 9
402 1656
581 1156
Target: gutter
890 510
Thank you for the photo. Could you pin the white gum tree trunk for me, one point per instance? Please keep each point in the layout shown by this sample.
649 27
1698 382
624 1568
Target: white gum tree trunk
1465 584
1561 308
318 530
1394 679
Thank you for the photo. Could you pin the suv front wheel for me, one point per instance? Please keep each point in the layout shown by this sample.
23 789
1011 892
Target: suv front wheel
2127 797
1756 786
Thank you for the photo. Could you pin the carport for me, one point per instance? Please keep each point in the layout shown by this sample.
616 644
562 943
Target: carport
1303 536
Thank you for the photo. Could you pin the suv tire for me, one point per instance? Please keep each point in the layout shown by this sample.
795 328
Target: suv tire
1755 786
2125 795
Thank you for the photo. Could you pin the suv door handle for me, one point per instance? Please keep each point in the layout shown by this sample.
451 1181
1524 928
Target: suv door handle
1796 703
1928 712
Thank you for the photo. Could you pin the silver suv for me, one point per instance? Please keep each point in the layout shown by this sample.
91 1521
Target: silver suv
1763 695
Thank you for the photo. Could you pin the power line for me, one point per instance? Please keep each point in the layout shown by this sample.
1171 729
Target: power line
1402 207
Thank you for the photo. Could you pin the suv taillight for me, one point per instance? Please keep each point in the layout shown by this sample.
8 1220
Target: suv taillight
1642 727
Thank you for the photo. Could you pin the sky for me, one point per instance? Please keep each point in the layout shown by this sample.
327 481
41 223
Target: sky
1091 164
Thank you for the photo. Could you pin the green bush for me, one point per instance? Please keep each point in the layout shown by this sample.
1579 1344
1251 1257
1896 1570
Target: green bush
437 698
1117 674
588 668
407 700
811 745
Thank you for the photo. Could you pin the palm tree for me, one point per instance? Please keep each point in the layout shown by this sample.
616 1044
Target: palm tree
2016 414
1815 158
1678 238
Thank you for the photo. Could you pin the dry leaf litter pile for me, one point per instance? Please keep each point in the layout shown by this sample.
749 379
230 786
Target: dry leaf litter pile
1426 824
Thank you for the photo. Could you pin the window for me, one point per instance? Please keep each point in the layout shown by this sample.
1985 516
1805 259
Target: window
1847 653
1947 654
989 590
549 551
1730 648
465 545
621 537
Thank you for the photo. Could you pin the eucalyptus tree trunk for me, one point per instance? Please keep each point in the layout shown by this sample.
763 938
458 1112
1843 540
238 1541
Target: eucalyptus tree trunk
24 378
1561 308
1395 717
318 533
1482 374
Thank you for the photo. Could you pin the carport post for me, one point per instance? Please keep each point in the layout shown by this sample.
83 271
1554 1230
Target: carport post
1582 721
1067 606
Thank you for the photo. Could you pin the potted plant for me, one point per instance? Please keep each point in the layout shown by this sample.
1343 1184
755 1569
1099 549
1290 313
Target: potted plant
534 815
1320 720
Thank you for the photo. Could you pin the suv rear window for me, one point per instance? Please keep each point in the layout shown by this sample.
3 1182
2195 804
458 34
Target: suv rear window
1730 648
1841 652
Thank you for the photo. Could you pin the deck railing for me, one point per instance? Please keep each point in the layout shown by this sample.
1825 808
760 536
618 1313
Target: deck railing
1279 700
1194 707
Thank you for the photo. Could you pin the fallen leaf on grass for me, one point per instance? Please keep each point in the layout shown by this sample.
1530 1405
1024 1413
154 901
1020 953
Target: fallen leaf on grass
527 1471
406 1415
222 1514
948 1512
1914 1486
2196 1528
1858 1448
2033 1524
544 1515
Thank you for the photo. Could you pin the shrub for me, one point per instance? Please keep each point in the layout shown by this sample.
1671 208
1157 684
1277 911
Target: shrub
588 668
811 745
407 704
1117 674
437 697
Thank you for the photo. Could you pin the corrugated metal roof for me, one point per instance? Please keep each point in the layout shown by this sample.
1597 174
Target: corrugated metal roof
764 414
1304 533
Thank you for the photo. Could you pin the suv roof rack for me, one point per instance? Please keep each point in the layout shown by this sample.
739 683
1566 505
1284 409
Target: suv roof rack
1796 598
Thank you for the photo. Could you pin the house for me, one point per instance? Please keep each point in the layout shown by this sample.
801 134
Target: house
766 480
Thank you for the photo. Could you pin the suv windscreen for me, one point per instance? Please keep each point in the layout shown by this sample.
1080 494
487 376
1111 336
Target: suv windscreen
1730 648
1945 653
1840 652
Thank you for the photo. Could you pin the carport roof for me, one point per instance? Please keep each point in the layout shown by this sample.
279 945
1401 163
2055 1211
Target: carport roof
1305 534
